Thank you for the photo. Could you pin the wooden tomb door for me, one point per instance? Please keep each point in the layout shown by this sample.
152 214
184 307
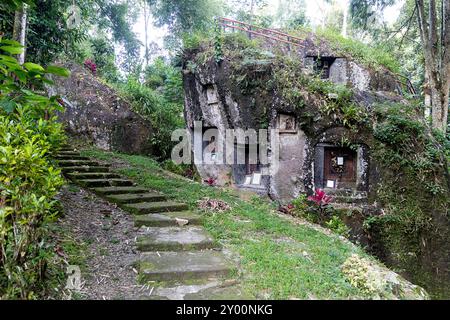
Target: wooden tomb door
339 167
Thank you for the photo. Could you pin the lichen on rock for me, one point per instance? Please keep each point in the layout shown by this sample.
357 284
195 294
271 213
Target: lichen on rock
379 282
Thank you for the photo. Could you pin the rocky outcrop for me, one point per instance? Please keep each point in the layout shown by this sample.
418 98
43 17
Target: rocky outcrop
94 111
395 169
380 282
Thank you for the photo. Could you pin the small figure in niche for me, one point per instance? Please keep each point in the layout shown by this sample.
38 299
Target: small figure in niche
286 123
289 124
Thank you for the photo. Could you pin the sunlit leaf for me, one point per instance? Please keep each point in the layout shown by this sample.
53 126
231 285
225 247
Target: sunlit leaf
11 49
33 66
59 71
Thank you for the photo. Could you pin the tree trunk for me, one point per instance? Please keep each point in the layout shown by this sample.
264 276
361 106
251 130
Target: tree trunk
345 20
146 18
437 64
19 31
439 111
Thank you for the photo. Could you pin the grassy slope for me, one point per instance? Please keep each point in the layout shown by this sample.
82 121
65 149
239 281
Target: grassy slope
279 259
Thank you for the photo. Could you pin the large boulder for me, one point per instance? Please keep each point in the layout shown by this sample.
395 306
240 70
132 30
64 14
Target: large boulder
94 111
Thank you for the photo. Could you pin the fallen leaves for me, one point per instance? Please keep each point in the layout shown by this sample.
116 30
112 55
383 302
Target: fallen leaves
213 205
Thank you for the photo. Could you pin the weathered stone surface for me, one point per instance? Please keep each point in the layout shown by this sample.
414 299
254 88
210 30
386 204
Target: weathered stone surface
220 293
94 183
95 111
70 157
92 175
136 198
85 169
68 152
155 207
76 163
175 239
171 266
119 190
380 281
166 219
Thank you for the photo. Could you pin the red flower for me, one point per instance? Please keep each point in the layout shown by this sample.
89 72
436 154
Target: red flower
91 66
320 198
210 181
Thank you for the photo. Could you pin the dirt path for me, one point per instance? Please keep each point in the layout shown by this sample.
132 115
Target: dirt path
108 234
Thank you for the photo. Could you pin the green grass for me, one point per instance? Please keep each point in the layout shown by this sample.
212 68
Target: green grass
367 55
278 259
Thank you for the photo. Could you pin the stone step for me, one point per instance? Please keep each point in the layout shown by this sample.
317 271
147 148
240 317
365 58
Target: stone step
345 193
74 169
69 153
174 239
179 266
76 163
345 208
70 157
92 175
354 200
128 198
119 190
167 219
94 183
155 207
234 292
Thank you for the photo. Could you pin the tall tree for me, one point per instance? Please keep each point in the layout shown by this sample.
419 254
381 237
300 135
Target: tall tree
433 18
146 25
20 29
291 13
184 16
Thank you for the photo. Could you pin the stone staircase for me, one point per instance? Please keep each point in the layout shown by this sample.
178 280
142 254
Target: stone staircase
175 251
347 197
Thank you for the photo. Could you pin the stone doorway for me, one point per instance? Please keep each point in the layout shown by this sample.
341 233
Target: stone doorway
338 167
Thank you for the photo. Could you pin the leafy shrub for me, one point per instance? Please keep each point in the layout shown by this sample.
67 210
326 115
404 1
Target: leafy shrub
185 170
29 134
336 224
317 209
154 107
371 56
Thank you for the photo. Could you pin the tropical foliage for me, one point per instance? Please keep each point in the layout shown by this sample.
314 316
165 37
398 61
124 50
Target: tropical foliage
29 135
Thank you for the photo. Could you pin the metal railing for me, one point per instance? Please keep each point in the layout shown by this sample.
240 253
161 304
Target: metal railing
260 31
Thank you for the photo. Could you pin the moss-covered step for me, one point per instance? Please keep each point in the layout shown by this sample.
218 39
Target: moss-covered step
174 239
179 266
92 175
66 149
167 219
155 207
351 200
94 183
104 191
76 163
129 198
68 153
73 169
70 157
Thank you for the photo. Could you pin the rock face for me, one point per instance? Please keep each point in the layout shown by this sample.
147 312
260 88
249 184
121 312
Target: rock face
95 112
214 96
379 281
333 123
